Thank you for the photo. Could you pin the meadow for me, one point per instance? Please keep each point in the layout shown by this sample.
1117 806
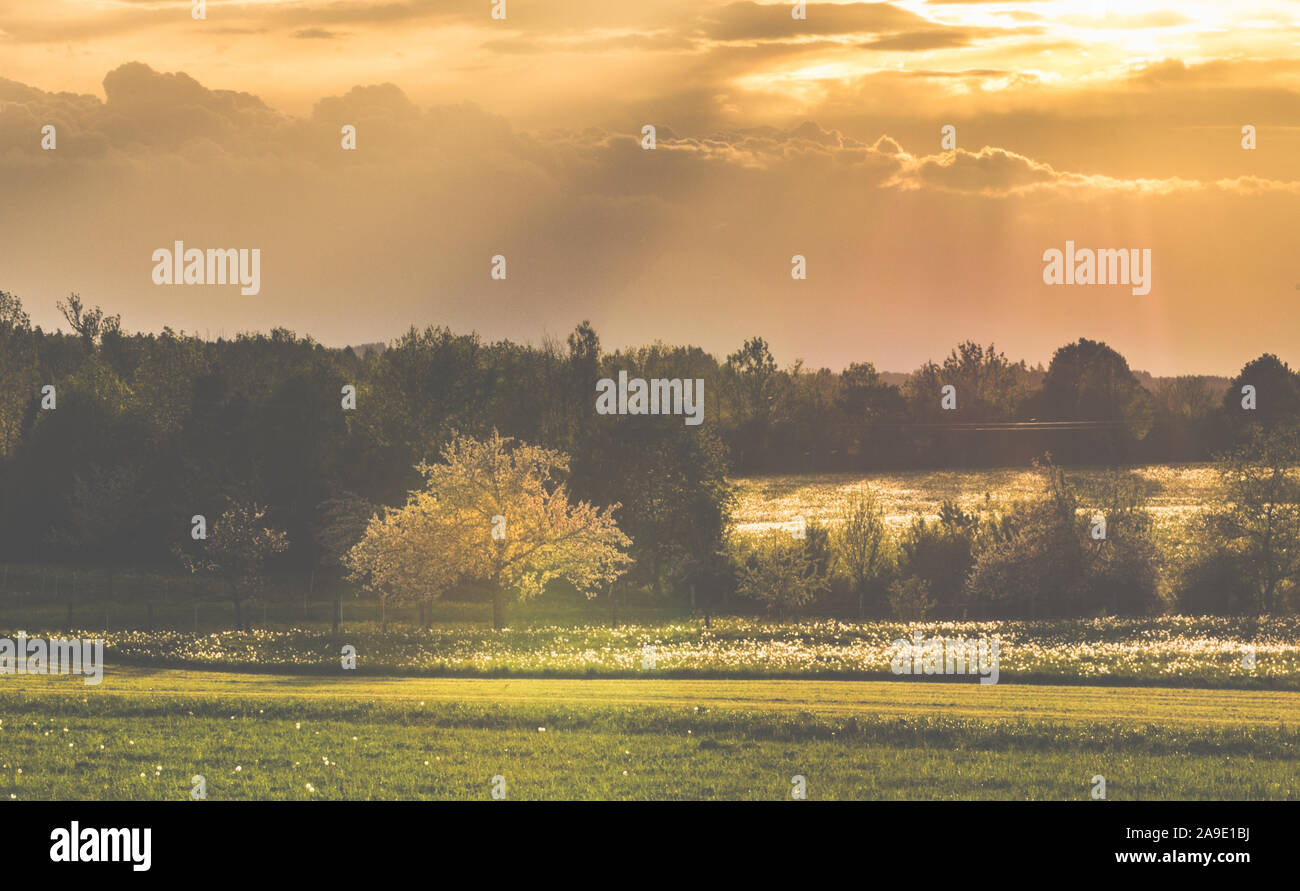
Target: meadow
1174 492
146 734
1163 651
604 700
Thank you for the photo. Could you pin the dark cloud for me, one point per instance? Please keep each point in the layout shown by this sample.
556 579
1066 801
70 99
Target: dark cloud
942 38
531 44
770 21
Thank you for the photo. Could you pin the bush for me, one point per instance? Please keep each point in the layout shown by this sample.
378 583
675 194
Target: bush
909 599
863 552
1216 581
1051 564
784 573
939 555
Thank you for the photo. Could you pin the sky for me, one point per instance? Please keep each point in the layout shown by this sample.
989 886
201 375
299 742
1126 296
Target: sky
1109 125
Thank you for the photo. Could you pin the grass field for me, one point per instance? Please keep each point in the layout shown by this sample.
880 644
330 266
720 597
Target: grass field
1174 492
145 734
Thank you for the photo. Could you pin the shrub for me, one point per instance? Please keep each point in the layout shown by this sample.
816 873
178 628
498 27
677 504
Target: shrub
784 573
940 554
909 599
1052 564
1216 580
862 551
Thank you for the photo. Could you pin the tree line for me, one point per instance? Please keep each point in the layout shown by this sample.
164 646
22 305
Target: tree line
111 442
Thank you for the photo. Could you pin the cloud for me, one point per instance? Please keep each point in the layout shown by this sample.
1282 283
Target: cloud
910 248
769 21
531 44
942 38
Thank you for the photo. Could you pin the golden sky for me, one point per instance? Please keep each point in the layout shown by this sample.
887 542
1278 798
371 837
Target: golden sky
1111 124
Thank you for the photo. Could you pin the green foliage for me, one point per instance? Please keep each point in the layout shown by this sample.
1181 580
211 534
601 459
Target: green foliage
909 598
1258 517
935 558
1052 563
1089 381
236 550
989 386
862 548
784 573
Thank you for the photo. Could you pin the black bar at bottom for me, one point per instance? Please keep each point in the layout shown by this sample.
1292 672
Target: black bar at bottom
620 842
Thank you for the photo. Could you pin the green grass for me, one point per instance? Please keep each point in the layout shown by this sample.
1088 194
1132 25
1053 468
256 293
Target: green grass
267 737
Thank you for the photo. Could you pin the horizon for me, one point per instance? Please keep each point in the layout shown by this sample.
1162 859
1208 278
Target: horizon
720 356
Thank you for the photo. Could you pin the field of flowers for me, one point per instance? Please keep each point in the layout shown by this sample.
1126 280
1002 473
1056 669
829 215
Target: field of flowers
1166 651
1174 491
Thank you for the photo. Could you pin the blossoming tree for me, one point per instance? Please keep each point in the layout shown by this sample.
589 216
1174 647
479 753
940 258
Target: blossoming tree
494 512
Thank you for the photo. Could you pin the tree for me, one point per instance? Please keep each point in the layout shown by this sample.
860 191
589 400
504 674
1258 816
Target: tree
1260 510
1089 381
989 386
1189 397
497 513
750 379
1277 397
754 371
861 545
909 599
782 573
940 553
397 557
90 324
1038 569
103 508
670 478
865 397
236 551
341 523
17 369
1052 557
